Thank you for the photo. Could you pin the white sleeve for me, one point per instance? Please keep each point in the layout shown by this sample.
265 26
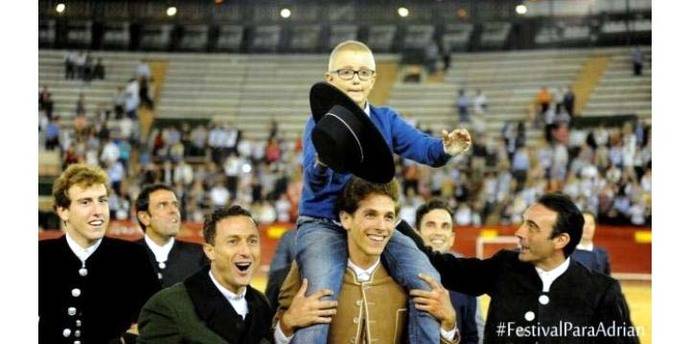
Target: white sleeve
447 335
280 337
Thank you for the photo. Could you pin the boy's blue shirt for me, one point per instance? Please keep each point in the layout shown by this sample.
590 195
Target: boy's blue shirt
322 185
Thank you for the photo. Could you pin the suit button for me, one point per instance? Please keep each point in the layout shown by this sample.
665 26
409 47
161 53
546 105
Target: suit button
77 333
77 342
160 276
78 323
355 320
66 332
544 300
76 292
529 316
71 311
161 265
359 302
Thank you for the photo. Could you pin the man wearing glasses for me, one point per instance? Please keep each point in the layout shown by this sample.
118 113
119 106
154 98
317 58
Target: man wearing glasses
321 243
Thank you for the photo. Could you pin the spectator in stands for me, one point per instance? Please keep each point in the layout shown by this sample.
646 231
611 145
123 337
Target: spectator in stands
80 107
88 68
158 214
544 99
119 102
144 93
637 61
593 257
99 70
132 99
198 138
434 223
45 102
569 101
52 135
70 61
480 102
463 105
143 70
352 70
445 56
79 64
217 304
431 54
91 287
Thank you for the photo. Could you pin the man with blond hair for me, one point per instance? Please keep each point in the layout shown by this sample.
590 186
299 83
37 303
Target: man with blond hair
321 244
90 287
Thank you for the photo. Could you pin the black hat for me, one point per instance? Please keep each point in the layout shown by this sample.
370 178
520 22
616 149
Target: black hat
345 138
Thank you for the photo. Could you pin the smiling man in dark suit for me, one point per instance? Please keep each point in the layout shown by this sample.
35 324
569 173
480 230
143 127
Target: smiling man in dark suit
537 291
215 305
158 212
91 287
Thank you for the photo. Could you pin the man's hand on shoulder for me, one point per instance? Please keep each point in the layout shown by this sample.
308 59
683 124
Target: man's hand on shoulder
436 302
307 310
456 142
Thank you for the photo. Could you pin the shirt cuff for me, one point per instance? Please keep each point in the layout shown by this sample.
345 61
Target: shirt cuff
449 335
280 337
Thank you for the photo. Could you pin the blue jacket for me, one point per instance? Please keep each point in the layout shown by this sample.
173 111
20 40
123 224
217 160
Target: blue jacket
596 260
322 185
466 312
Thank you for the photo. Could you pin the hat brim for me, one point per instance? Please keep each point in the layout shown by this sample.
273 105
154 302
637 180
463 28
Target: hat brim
378 165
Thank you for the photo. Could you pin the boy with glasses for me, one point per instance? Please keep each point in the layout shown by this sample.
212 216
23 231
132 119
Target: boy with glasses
321 244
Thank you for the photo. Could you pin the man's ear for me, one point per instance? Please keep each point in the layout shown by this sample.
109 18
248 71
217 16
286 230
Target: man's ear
345 219
209 252
63 213
328 76
561 241
144 217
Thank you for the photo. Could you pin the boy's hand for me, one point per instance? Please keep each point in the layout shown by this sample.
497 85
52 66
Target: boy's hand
456 142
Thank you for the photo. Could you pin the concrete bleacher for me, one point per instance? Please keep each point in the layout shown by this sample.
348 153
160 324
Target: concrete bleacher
620 92
511 80
250 90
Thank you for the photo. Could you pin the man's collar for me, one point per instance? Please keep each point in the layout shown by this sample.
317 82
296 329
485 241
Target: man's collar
80 252
363 275
547 277
367 109
586 247
227 293
160 252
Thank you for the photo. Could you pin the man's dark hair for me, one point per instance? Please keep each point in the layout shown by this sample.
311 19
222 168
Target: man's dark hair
211 221
358 189
569 219
425 208
142 202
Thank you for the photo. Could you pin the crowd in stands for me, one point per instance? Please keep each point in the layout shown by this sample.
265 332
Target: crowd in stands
605 170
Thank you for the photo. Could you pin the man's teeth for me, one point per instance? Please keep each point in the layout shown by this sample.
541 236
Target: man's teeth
96 222
376 237
437 241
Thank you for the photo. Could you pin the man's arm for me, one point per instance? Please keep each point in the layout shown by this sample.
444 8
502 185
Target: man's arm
437 303
613 309
466 275
157 323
